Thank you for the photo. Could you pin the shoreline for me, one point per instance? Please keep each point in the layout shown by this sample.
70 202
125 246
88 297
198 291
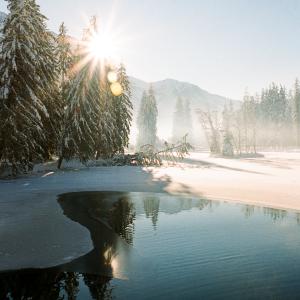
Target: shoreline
269 181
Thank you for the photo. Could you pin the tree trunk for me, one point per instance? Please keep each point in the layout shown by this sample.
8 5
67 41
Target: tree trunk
59 162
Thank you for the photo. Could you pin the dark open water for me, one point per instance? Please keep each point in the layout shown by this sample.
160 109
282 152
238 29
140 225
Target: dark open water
156 246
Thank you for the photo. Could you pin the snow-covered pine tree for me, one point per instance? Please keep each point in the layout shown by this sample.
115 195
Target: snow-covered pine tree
227 147
63 55
275 114
106 133
46 72
140 121
81 117
152 114
65 60
147 120
296 110
179 121
27 74
97 118
123 110
274 104
188 121
83 107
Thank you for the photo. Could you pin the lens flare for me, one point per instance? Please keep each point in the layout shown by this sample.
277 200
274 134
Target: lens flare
112 77
116 89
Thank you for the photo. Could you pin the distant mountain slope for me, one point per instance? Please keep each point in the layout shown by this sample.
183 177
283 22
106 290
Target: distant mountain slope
167 91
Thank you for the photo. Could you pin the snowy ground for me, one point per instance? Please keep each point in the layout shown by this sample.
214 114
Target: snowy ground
272 180
31 219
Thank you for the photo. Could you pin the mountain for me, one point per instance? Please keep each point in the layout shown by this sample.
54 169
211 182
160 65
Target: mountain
167 91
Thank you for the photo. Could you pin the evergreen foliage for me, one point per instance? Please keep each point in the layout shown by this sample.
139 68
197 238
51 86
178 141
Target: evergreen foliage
97 121
82 116
182 123
27 87
227 149
264 120
188 120
105 135
179 120
83 107
52 99
65 61
64 57
147 120
123 111
296 109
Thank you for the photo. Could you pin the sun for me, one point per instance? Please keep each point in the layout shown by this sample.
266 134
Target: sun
102 46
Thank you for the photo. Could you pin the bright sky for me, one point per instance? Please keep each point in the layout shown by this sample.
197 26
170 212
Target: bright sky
224 46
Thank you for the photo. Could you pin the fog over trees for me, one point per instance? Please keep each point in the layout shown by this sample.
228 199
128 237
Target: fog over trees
147 120
182 120
269 120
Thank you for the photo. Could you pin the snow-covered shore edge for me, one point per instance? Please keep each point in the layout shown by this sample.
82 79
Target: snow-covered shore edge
51 166
269 181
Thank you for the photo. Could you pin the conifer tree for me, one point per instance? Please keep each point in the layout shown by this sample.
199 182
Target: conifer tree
182 120
296 110
64 56
97 116
105 135
83 108
227 149
123 110
141 122
46 71
275 114
179 120
65 60
26 86
147 120
188 120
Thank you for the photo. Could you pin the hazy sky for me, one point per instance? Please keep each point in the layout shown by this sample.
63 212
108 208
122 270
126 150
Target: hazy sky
223 46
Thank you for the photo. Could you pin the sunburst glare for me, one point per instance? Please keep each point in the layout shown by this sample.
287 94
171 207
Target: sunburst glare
102 46
99 48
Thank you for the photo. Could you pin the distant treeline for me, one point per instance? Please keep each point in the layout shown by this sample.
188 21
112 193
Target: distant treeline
269 120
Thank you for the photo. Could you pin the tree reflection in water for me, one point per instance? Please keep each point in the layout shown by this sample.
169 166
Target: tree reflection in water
39 284
151 208
107 216
122 216
276 215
